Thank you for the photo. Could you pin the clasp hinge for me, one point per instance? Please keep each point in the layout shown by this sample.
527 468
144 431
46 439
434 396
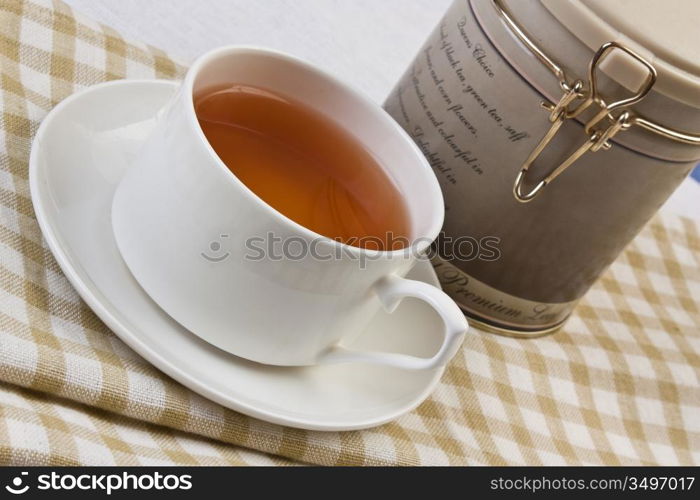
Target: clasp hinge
576 99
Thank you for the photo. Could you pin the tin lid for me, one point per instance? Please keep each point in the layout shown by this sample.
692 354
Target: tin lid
666 33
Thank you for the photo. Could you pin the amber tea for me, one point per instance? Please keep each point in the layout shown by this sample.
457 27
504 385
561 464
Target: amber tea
304 165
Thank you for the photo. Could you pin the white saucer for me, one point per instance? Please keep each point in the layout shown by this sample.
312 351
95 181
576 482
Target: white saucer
81 151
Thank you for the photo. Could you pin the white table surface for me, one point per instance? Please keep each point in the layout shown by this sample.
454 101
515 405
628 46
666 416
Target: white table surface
367 43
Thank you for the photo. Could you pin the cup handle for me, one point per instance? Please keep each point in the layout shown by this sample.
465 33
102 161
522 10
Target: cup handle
391 290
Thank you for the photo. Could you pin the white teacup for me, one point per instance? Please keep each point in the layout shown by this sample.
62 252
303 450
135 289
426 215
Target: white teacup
183 223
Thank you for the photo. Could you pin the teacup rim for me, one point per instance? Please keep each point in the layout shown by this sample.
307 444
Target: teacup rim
437 219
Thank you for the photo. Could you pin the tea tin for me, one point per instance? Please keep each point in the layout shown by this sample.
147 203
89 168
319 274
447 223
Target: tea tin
556 130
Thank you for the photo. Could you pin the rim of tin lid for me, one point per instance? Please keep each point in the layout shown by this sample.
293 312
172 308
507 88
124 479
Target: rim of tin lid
666 33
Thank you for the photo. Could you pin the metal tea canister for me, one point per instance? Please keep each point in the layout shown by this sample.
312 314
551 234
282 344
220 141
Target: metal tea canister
556 129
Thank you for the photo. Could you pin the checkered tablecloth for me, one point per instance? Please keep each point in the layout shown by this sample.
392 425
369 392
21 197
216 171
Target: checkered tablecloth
619 385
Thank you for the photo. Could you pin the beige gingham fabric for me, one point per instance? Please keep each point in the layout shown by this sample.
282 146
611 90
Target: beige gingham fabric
619 385
39 429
